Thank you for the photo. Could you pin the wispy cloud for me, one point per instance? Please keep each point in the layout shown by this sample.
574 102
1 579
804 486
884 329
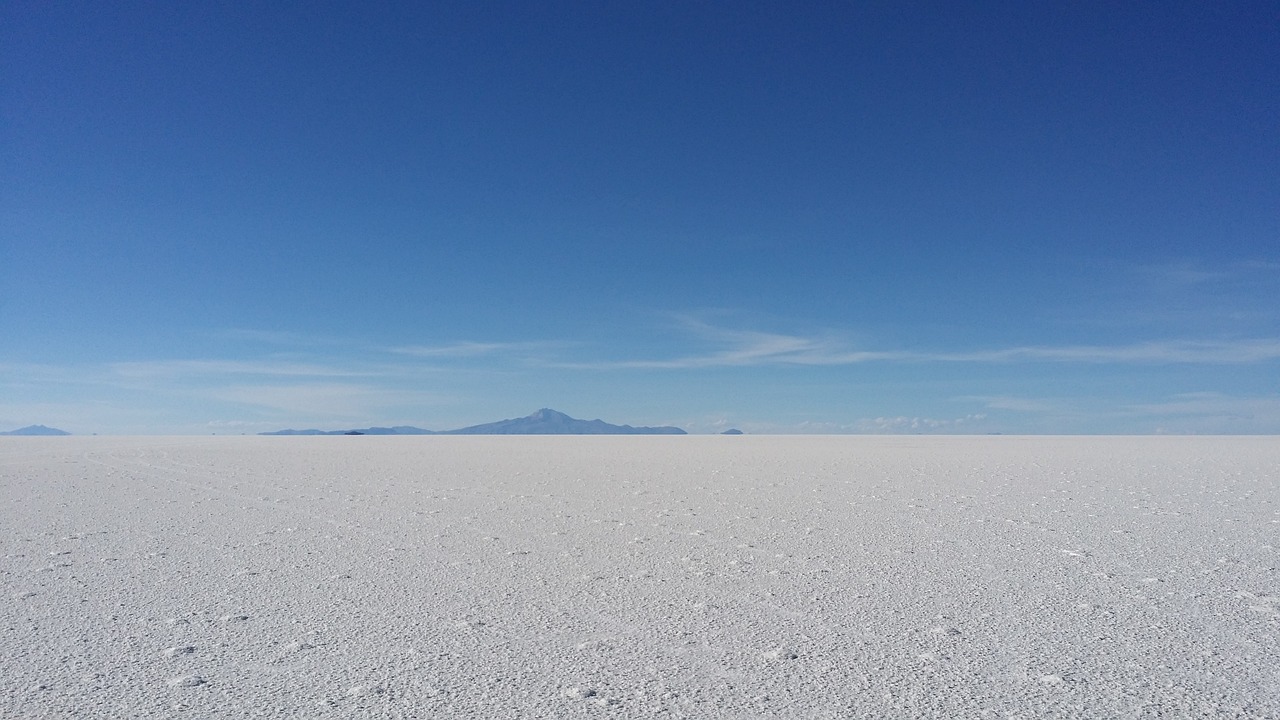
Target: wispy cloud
46 374
741 348
159 369
898 425
454 350
1176 351
378 383
895 425
1212 403
283 338
1208 412
1183 274
1193 412
1014 404
1186 273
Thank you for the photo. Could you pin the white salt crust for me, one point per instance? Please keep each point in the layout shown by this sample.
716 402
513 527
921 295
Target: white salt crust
638 577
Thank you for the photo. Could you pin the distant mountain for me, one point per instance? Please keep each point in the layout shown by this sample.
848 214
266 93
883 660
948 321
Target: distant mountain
305 432
732 431
397 430
36 430
551 422
543 422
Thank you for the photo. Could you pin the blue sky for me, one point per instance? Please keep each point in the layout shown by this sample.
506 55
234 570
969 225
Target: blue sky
786 217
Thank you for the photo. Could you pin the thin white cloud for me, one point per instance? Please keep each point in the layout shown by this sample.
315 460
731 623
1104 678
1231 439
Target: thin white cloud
1171 352
750 348
1209 412
895 425
471 349
158 369
1185 274
1212 403
1015 404
741 348
454 350
899 425
1195 412
284 338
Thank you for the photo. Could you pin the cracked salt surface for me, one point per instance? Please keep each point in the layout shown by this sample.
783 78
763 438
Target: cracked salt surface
634 577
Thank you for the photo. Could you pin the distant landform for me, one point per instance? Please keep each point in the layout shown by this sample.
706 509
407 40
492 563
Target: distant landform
732 431
397 430
36 430
542 422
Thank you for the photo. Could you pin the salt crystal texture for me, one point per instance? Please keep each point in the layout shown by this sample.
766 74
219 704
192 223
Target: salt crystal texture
561 576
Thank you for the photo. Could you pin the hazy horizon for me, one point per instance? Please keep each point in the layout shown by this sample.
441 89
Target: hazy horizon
899 427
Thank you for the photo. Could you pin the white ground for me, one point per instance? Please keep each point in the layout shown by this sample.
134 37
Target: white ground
629 577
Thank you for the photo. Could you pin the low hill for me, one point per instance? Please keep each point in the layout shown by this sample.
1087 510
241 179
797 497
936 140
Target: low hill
551 422
543 422
397 430
36 431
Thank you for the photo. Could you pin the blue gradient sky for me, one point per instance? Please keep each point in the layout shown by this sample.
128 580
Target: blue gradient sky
815 217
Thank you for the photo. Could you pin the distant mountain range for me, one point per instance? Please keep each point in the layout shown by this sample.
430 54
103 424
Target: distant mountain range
542 422
397 430
36 430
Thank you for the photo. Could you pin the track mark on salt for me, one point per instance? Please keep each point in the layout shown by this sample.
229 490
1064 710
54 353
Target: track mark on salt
595 645
364 690
186 681
579 693
1261 602
590 695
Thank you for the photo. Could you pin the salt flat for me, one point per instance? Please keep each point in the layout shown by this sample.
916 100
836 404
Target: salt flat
621 577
